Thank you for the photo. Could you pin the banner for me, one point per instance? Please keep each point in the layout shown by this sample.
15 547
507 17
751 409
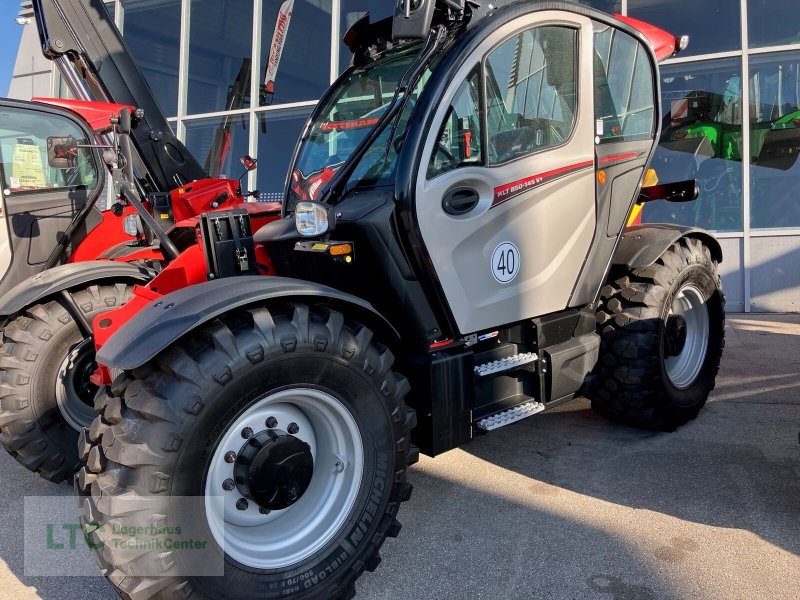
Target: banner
276 49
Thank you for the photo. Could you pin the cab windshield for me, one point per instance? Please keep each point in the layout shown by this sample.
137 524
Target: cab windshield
345 120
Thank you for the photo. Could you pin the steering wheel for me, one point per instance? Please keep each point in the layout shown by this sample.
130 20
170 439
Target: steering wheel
450 161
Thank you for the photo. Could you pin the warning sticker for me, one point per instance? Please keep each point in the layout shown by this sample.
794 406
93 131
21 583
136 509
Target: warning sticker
679 108
27 168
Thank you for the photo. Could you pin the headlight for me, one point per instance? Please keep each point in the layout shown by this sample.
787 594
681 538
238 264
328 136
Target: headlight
311 218
130 224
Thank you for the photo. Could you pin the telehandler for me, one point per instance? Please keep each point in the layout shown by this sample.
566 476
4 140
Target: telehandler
453 257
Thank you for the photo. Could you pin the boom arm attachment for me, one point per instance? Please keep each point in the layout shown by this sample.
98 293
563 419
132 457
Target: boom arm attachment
80 36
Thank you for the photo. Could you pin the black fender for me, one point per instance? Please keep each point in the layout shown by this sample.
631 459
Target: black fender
174 315
641 245
65 277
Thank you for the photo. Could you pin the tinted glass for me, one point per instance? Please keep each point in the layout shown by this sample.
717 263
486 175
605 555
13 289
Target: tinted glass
712 25
151 30
701 139
775 140
531 92
459 141
773 22
31 141
220 55
275 148
623 87
346 118
218 143
302 70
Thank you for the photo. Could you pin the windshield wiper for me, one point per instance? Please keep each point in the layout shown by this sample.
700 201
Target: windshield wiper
407 82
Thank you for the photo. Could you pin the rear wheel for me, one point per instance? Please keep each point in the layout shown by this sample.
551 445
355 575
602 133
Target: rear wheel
45 392
290 426
663 332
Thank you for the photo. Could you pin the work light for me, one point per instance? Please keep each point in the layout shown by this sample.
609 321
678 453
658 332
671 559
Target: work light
311 218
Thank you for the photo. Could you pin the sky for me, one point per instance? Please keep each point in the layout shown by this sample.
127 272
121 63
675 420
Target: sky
10 33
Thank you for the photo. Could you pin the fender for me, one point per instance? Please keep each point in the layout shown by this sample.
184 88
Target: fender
64 277
641 245
173 315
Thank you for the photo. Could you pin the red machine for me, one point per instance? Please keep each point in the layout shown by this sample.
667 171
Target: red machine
71 262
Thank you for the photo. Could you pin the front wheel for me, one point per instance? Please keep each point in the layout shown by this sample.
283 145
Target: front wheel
663 332
290 426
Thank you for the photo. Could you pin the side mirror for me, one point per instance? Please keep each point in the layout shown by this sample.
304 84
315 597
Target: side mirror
62 152
248 162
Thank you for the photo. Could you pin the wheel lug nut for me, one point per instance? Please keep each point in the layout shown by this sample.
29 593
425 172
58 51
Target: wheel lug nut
293 428
230 457
247 433
228 485
241 504
263 511
291 495
271 422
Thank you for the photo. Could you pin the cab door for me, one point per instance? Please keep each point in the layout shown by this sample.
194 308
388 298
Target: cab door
506 198
47 177
625 105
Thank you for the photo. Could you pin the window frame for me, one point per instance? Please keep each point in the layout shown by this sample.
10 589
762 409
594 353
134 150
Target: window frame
91 151
576 28
481 110
655 93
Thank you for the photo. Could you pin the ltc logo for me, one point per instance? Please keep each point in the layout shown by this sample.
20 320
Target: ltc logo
57 539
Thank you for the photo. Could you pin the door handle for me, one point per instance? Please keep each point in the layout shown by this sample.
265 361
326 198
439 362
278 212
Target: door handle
460 201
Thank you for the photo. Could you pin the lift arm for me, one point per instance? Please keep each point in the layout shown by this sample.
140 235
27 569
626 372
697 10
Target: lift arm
80 36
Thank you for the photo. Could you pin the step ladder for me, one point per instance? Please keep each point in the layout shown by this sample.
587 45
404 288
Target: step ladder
511 415
505 364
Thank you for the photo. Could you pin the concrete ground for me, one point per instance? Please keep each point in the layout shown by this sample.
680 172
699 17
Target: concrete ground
568 505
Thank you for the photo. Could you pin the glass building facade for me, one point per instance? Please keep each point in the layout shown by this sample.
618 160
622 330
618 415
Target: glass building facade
730 110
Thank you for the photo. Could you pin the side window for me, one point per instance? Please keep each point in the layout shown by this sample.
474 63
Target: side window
41 151
459 141
531 89
623 87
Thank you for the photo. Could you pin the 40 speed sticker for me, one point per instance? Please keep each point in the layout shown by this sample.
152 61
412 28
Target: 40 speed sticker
505 262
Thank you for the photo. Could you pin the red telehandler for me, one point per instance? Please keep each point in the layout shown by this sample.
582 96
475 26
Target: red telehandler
65 261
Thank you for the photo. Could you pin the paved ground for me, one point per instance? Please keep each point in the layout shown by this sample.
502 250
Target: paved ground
566 505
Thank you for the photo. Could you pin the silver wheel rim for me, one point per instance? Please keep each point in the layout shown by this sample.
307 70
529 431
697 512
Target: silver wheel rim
76 412
286 537
683 368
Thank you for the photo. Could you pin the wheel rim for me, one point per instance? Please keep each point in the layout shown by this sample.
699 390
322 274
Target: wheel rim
74 391
278 539
683 364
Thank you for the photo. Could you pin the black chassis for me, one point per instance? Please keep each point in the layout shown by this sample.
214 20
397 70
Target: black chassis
393 272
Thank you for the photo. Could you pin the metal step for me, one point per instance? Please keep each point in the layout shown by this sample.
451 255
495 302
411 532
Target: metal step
512 415
505 364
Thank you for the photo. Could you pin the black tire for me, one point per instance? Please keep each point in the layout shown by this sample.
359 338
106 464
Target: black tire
35 344
159 425
630 383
